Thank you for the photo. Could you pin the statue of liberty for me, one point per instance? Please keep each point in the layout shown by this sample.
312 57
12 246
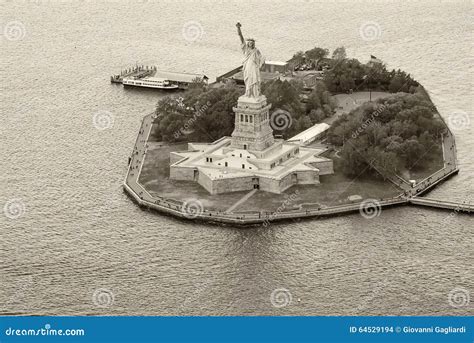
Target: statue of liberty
252 62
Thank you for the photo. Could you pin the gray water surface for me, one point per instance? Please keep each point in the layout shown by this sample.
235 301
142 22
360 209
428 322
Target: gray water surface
78 233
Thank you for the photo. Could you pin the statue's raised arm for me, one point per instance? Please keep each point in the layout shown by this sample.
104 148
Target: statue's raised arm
239 32
251 64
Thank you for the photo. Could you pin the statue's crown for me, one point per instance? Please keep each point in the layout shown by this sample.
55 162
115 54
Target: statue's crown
250 40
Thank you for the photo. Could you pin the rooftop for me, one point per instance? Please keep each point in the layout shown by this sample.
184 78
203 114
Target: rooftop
278 63
310 132
180 77
227 162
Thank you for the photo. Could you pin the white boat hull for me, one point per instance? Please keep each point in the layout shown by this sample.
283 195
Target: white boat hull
168 87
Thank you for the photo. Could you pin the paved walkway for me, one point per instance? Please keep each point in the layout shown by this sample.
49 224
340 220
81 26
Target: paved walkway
176 208
450 167
242 200
457 207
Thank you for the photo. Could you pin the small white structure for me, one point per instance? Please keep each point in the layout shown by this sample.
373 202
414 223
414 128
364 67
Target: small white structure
275 66
309 135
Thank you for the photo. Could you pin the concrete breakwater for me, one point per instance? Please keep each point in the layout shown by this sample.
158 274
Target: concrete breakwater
189 211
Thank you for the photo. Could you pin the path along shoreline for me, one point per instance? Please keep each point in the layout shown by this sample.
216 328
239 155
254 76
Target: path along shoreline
180 209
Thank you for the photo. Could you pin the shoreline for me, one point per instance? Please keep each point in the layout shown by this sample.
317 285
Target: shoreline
178 209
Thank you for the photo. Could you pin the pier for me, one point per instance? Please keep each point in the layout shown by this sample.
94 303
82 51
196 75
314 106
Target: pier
177 208
138 71
443 204
182 80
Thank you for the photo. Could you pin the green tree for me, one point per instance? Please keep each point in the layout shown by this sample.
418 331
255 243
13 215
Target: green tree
388 135
317 53
298 59
339 53
201 114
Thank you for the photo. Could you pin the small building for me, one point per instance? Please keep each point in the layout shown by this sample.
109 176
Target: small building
238 77
311 134
270 70
183 80
275 67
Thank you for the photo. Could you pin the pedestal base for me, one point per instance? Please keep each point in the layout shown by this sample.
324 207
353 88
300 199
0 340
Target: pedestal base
252 129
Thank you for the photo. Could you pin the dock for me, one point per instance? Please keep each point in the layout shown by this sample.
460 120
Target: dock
443 204
138 71
182 80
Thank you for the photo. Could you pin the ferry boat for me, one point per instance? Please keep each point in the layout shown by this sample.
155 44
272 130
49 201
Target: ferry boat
149 82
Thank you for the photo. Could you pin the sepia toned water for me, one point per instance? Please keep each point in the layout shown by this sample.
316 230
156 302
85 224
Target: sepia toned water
72 243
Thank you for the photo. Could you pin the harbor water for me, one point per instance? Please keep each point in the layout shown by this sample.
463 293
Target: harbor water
68 231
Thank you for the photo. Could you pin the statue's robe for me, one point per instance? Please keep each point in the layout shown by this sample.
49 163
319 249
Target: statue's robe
252 62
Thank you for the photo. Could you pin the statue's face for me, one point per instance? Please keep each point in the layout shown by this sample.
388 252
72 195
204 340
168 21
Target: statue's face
251 44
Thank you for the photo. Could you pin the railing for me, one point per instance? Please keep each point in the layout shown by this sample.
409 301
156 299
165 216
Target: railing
177 208
466 207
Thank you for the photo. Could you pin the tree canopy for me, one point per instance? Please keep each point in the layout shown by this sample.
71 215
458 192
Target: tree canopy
389 135
205 114
286 96
202 114
345 74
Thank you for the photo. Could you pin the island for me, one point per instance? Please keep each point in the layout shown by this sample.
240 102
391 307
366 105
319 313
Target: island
315 136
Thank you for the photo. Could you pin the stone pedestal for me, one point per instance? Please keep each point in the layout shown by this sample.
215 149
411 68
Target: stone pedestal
252 127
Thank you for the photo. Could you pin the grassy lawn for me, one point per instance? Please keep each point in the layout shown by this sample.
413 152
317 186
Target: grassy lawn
333 190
